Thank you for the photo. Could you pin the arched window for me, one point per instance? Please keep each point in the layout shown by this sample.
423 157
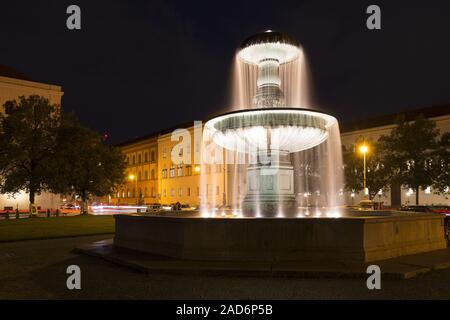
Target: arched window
153 174
146 175
152 156
139 176
139 158
146 156
134 160
145 192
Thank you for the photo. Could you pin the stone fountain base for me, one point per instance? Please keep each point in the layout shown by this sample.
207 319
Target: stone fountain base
272 239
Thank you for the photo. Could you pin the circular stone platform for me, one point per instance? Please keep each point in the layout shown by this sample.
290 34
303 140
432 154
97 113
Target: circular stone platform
273 239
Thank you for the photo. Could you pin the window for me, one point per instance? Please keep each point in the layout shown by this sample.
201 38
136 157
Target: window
180 153
153 174
188 193
189 170
164 173
134 160
133 192
146 175
153 192
164 153
180 170
172 172
146 157
152 155
128 193
139 158
139 177
145 192
180 192
172 192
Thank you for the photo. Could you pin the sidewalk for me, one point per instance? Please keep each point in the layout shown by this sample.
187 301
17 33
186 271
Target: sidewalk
398 268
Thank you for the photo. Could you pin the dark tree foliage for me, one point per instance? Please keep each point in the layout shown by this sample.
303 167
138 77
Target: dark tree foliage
442 165
408 151
377 175
44 149
86 167
28 131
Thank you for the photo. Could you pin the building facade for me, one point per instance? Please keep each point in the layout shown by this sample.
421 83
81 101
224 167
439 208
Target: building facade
155 178
13 85
372 129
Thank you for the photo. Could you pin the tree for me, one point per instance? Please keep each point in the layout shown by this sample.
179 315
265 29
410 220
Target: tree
27 145
442 165
408 152
377 175
86 167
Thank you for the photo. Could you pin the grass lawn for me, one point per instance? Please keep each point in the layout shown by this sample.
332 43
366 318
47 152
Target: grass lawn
54 227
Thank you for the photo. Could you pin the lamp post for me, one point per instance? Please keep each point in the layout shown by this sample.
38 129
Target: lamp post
364 150
132 177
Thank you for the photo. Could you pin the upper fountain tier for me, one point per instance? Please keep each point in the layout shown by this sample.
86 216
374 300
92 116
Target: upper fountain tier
268 50
269 45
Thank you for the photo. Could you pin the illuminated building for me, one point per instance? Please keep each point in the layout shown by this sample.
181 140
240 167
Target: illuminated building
12 85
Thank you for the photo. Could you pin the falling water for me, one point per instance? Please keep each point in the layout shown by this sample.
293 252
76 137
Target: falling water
318 171
294 83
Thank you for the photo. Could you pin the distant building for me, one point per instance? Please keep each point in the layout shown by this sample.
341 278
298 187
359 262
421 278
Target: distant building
12 85
158 180
372 129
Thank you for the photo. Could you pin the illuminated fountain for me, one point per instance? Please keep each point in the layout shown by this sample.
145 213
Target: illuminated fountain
282 159
274 138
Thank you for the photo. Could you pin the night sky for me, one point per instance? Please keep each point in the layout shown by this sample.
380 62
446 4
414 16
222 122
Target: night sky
140 66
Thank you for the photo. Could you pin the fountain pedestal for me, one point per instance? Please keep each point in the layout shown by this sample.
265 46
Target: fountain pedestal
270 187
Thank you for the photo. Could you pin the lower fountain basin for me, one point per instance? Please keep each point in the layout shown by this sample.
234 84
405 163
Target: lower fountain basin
367 238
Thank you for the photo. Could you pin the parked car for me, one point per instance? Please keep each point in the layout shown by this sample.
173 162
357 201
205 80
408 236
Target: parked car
441 210
186 207
428 209
70 206
153 208
366 205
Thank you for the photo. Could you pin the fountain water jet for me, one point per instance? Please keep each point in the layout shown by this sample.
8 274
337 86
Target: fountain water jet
273 133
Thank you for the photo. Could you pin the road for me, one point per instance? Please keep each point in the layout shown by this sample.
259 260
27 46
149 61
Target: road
37 270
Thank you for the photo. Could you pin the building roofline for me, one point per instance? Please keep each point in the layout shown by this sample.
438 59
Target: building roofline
427 112
155 134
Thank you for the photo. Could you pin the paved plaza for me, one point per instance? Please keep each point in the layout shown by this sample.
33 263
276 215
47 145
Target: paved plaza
37 270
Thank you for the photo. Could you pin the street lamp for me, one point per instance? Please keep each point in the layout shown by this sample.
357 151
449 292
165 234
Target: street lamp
364 149
132 177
